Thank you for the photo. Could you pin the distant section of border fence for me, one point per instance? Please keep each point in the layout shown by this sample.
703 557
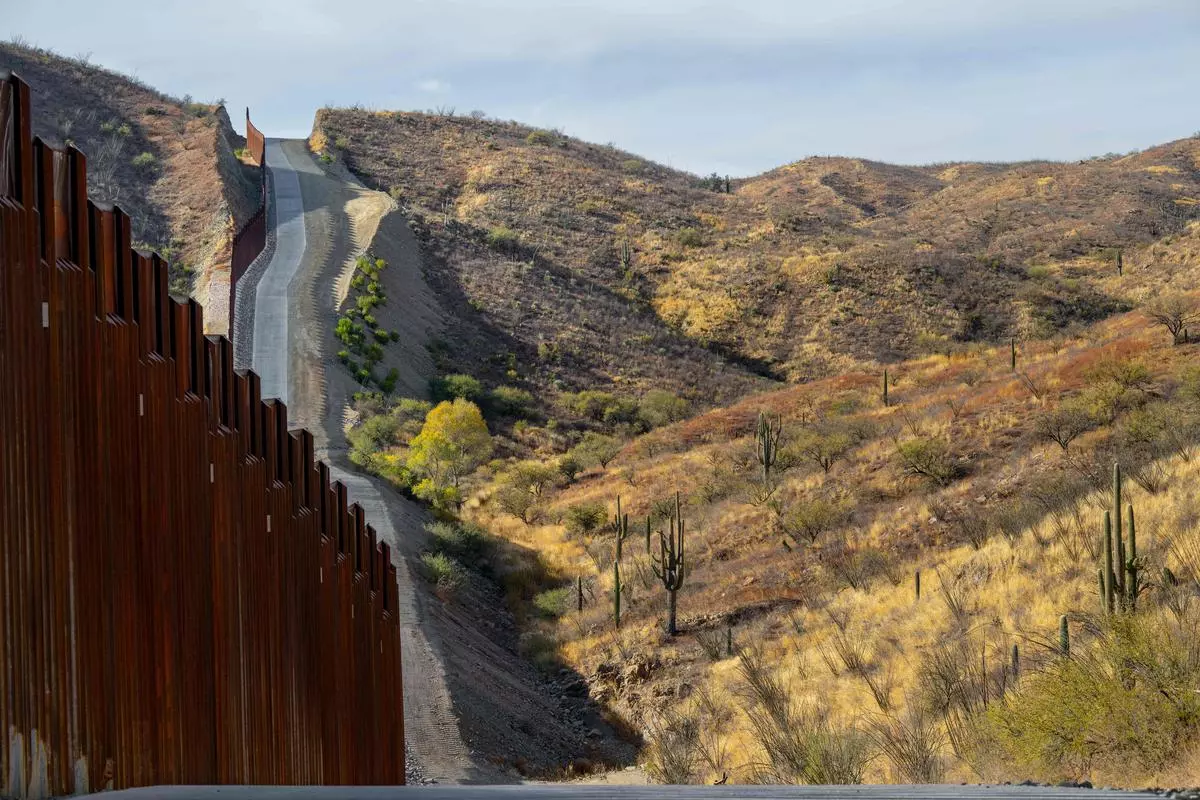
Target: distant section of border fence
184 596
250 240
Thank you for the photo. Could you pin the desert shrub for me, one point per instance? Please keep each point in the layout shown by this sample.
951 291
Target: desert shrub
145 161
569 467
457 386
464 542
622 412
689 237
584 519
928 457
503 239
591 403
443 571
821 446
540 137
811 517
660 407
510 400
597 449
1064 424
521 488
1125 704
553 602
388 384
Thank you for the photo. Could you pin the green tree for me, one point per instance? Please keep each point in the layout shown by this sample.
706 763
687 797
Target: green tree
659 407
596 448
521 489
455 387
453 441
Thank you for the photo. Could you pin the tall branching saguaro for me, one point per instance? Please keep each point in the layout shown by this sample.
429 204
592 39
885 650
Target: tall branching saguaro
1120 575
766 444
669 565
620 527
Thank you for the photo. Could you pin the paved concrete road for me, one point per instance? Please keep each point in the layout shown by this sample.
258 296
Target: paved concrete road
271 304
557 791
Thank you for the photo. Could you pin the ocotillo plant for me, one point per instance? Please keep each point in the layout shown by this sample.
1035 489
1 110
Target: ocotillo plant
669 565
620 527
1064 636
617 593
766 444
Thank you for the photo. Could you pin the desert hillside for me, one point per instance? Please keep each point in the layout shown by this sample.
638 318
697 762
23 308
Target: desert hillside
172 164
880 584
597 265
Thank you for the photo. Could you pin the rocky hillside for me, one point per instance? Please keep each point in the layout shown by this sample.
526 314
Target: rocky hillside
172 164
599 266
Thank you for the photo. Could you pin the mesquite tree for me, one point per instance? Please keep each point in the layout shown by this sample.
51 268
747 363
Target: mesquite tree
669 565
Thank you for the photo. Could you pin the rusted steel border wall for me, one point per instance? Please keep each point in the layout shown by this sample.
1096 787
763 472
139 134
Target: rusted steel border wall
185 598
252 238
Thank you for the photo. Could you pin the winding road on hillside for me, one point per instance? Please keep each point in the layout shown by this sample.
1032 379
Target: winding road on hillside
287 357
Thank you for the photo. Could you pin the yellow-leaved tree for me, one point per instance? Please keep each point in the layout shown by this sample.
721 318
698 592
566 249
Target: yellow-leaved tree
453 441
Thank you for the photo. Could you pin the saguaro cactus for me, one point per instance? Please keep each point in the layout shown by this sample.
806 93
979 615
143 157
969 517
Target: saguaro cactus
617 593
620 527
1120 575
669 565
885 387
1064 636
1016 662
1012 353
579 592
917 583
1132 566
1107 577
766 441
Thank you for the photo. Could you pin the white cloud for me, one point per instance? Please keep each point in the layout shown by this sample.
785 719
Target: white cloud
433 85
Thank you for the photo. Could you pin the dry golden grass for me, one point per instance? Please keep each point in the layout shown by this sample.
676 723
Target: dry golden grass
793 603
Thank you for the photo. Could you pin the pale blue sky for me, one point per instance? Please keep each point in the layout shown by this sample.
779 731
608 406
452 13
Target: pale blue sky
735 87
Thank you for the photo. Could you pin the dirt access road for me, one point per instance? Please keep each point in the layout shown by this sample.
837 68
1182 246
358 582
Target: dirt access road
475 710
313 241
